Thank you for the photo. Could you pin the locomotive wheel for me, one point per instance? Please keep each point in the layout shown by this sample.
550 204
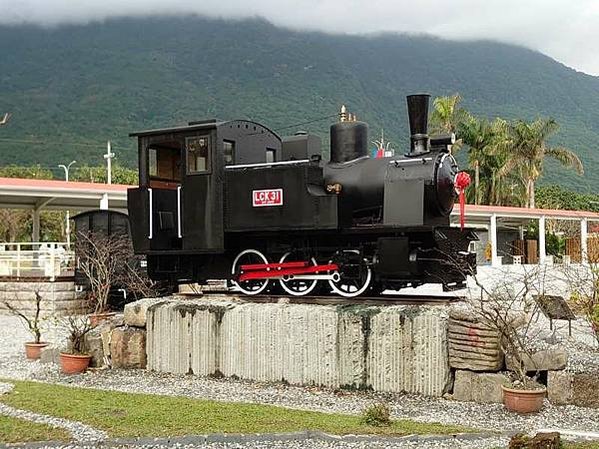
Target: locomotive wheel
352 284
297 287
246 257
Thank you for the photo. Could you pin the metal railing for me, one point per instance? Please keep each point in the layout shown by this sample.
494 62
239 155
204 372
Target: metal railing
36 259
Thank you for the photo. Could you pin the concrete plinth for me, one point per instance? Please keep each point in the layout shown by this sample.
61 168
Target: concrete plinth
394 348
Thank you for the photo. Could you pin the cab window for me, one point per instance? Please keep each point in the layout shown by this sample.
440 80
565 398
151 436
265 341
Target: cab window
164 164
271 155
229 152
198 154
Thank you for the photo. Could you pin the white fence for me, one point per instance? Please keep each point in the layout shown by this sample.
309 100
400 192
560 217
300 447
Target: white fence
36 259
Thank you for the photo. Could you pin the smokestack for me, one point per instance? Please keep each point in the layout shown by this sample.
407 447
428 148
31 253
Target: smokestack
418 117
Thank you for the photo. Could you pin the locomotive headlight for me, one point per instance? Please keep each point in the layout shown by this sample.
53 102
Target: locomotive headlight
413 257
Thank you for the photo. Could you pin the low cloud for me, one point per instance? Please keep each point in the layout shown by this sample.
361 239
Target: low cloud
562 29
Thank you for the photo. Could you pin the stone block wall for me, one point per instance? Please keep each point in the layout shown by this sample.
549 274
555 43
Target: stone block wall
58 297
394 348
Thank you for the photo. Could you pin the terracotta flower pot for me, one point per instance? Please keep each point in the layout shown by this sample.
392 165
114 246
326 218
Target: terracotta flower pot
97 318
74 363
33 350
523 401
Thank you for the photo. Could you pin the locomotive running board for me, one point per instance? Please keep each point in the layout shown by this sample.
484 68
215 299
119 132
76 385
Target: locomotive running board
289 270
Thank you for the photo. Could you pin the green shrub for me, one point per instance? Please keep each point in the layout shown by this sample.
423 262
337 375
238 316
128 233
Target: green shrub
376 415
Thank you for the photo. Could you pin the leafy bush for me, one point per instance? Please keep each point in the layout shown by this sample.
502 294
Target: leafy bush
377 415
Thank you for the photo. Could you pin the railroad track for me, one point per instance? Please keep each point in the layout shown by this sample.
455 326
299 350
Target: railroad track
384 300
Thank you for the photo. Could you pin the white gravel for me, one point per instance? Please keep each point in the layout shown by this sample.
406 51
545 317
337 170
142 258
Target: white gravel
581 346
300 443
313 443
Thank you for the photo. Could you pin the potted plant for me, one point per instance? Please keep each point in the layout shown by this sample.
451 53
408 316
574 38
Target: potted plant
524 394
508 308
33 348
76 359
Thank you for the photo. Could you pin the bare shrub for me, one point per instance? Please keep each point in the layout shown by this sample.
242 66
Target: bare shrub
32 323
584 284
78 327
108 262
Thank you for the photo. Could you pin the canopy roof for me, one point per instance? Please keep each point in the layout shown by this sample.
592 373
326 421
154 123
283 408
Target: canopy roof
17 193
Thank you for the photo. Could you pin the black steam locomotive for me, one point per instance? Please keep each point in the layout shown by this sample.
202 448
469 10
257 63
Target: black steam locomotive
232 200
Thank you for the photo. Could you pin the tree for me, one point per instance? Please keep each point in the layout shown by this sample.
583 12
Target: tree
120 174
557 197
529 150
447 116
488 144
16 225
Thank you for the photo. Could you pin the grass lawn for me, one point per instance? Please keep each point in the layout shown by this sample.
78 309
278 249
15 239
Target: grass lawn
130 415
13 430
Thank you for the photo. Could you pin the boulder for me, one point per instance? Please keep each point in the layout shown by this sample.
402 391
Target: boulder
135 312
579 389
584 390
98 341
545 360
549 440
478 387
50 354
128 347
559 387
473 345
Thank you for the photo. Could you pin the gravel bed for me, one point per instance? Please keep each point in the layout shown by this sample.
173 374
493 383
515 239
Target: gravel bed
487 443
79 432
481 416
581 346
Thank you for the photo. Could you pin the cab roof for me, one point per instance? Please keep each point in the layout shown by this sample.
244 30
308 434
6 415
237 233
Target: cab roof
191 126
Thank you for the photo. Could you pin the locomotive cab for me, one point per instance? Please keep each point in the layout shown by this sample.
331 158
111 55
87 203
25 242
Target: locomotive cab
179 206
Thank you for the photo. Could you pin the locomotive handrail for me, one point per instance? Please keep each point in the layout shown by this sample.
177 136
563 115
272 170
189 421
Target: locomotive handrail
179 233
419 160
268 164
151 213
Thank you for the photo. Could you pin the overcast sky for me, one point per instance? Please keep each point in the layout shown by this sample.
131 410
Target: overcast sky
567 30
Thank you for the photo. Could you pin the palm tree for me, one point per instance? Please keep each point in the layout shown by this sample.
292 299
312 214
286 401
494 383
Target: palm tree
447 116
487 154
529 150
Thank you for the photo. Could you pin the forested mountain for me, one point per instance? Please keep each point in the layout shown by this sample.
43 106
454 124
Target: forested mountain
91 83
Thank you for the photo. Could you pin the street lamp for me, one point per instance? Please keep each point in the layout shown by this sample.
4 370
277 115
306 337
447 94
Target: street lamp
68 224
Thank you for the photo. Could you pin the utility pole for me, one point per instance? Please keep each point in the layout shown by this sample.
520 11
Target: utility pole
68 224
108 156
